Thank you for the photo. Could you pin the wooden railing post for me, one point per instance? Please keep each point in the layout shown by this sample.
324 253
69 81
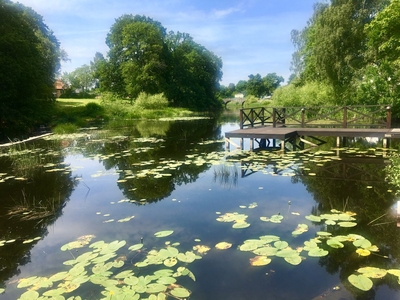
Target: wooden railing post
303 111
241 119
252 117
344 116
262 116
388 117
274 117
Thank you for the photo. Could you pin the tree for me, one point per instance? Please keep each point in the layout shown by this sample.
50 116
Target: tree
29 60
379 81
81 79
143 58
332 47
259 87
271 83
194 74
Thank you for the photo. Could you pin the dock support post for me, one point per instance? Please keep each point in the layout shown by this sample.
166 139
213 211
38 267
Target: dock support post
338 142
227 144
283 145
251 144
385 143
241 144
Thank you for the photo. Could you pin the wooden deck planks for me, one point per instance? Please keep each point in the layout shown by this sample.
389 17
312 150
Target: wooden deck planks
269 132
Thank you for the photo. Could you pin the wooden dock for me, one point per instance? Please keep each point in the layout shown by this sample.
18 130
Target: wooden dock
281 125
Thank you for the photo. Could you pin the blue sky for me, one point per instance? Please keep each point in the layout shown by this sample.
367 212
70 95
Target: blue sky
251 36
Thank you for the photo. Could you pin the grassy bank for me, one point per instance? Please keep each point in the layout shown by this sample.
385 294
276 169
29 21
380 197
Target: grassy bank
72 114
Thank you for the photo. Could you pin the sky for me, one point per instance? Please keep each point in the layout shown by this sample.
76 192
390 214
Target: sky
250 36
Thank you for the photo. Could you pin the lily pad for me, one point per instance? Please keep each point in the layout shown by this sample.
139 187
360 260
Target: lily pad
293 260
347 224
334 243
361 282
372 272
180 292
260 261
164 233
317 252
223 245
135 247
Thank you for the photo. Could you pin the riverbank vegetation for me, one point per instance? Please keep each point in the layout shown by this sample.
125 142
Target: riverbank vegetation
348 54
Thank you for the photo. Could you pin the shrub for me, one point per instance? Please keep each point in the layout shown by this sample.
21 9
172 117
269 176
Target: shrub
310 94
65 128
93 110
145 101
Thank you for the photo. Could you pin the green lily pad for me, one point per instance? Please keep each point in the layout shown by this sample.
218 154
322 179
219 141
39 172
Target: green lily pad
317 252
170 262
266 251
361 282
135 247
180 292
372 272
239 225
29 295
293 260
347 224
334 243
363 243
280 245
324 233
313 218
164 233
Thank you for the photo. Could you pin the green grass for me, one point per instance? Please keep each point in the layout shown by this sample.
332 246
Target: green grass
75 102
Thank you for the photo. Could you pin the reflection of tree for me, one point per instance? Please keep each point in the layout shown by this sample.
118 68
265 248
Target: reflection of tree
29 207
361 188
172 144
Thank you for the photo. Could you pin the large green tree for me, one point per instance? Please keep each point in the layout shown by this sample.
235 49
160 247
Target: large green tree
379 81
194 75
29 59
144 58
333 45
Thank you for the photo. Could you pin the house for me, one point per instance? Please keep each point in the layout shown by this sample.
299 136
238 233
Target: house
240 95
59 88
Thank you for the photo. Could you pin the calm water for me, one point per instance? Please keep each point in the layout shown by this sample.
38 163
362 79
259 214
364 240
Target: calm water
128 183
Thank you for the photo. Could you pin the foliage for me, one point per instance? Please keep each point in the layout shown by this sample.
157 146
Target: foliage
380 80
145 101
116 107
310 94
144 58
65 128
29 59
334 46
393 172
81 79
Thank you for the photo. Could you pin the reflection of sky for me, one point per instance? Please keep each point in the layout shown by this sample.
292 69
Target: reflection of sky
190 211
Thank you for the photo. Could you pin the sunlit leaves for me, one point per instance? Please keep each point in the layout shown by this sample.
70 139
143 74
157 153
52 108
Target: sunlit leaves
79 243
239 220
301 228
260 261
223 245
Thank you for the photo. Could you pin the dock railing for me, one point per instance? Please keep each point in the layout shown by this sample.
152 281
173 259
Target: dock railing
355 116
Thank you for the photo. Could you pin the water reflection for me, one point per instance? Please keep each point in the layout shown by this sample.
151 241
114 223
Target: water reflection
35 186
154 161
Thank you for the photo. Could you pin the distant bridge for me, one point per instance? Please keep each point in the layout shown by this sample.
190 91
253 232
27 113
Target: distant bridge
234 100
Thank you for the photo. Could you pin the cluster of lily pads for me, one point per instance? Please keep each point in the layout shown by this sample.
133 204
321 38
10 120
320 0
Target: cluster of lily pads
267 247
102 266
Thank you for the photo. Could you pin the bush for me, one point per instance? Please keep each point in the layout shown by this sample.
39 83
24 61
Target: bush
93 110
65 128
310 94
145 101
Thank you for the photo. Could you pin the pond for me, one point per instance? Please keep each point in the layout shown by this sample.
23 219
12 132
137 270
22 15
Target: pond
159 210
